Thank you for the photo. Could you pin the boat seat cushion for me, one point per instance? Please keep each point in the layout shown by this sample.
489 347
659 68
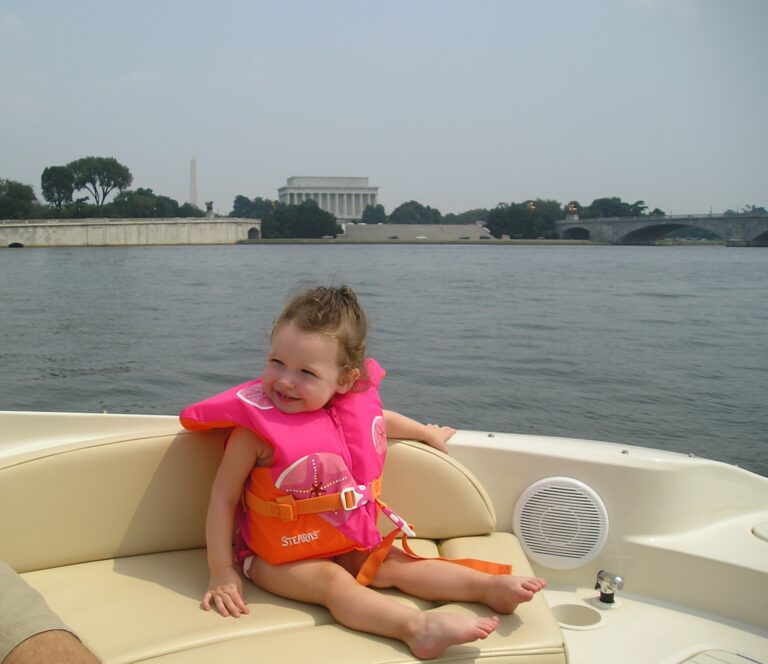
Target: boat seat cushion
153 600
118 498
111 532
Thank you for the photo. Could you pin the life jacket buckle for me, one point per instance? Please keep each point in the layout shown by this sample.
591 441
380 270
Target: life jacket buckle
286 507
351 498
401 523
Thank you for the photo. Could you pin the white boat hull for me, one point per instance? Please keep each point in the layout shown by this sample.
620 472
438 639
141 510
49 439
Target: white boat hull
687 536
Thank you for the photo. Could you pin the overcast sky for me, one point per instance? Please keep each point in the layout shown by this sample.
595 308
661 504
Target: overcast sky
456 104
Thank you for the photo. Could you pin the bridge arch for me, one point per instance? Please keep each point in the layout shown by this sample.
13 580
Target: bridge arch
15 245
254 233
761 240
650 234
576 233
735 229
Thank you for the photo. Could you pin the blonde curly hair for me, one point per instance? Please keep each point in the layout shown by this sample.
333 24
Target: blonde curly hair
334 311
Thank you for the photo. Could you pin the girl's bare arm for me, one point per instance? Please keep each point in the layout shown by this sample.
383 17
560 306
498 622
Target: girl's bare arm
225 591
400 426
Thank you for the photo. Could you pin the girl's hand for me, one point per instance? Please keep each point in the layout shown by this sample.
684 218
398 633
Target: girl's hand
225 593
437 436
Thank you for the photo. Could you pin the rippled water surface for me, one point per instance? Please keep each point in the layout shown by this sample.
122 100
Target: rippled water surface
662 347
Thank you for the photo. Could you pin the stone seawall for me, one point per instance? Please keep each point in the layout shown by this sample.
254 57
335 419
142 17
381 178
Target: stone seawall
126 232
414 232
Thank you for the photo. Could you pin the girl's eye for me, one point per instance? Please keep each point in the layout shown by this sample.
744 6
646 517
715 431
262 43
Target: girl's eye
276 362
309 373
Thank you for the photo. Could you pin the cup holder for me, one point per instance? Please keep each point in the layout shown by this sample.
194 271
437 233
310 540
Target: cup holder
577 616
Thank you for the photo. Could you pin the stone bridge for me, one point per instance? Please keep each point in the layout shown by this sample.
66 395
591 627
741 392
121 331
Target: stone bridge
126 232
738 230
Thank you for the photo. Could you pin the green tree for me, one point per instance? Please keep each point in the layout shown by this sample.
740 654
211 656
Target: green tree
528 220
99 176
133 204
79 209
17 200
143 203
306 220
57 184
257 208
613 207
468 217
549 211
189 210
374 214
414 212
512 219
313 222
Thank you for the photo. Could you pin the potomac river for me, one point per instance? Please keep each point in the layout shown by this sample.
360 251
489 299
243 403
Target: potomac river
665 347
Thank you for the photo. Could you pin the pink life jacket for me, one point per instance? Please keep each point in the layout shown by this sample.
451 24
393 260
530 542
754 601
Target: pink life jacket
330 458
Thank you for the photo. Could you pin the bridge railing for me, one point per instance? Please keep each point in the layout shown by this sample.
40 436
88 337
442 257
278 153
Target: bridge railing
666 218
111 220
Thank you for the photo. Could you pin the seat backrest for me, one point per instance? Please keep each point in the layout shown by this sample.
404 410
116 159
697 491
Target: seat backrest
94 501
146 494
435 493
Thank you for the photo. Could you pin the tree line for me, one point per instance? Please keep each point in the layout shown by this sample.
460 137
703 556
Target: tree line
97 177
279 220
530 219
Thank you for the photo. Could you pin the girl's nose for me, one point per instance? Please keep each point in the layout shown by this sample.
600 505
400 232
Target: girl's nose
286 380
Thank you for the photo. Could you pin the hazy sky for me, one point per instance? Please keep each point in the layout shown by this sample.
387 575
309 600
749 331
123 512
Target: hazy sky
456 104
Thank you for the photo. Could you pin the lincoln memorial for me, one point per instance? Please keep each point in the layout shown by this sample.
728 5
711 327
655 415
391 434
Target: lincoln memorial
346 198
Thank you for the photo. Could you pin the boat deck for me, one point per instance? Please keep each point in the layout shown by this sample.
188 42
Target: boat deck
653 631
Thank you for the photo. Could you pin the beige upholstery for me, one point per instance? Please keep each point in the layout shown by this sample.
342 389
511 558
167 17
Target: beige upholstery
435 493
107 500
112 532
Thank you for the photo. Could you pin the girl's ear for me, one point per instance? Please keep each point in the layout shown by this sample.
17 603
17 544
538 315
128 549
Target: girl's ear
348 380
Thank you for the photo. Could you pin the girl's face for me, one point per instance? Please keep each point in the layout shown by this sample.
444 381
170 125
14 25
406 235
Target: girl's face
302 372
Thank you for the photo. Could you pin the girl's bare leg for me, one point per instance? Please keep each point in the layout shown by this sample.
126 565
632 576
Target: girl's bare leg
326 583
438 580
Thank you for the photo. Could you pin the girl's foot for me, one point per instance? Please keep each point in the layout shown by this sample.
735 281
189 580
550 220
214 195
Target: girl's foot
505 592
437 631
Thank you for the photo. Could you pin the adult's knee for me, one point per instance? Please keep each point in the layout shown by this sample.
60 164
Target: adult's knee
54 645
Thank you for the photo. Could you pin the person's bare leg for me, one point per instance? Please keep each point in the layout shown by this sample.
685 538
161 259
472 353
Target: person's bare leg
438 580
52 646
326 583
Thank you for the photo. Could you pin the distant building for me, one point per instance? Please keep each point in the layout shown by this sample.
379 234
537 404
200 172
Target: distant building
346 198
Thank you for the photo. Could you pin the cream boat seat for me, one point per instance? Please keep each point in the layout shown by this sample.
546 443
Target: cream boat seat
112 533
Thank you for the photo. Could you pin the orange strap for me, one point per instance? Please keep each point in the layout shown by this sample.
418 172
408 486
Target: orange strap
287 508
374 560
485 566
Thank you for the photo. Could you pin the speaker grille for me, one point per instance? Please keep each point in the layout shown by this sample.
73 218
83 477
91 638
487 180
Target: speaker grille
561 522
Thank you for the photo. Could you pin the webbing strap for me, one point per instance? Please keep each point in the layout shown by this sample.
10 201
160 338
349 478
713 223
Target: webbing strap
486 566
287 508
375 558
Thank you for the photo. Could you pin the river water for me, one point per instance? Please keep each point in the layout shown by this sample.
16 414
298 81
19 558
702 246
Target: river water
665 347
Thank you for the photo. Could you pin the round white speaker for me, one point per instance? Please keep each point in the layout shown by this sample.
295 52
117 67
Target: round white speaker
561 522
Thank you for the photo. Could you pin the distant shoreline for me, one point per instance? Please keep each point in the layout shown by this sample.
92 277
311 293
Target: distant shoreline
670 243
327 242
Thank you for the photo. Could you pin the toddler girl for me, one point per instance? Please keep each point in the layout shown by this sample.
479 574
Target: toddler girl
299 481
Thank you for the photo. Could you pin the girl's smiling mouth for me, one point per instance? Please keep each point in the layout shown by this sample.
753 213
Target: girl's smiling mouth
281 396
